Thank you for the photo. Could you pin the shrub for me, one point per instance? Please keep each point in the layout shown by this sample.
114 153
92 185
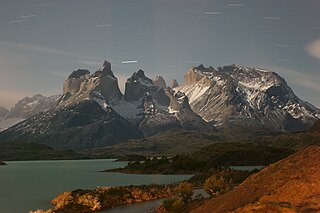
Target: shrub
215 184
184 191
174 205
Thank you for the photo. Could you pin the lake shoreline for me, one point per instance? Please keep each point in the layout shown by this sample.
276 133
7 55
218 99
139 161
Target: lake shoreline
103 198
44 180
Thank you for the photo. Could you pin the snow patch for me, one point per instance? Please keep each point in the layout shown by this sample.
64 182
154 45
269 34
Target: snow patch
127 109
194 92
97 97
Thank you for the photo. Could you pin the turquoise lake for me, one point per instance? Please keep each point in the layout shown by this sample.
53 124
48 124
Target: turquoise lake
30 185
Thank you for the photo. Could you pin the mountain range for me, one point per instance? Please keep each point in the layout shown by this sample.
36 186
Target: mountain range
25 108
92 112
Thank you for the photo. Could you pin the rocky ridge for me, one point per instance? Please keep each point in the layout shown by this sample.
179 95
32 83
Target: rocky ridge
235 95
94 104
26 108
209 98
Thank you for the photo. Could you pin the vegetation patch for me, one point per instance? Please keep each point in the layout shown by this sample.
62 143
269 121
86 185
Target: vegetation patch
84 201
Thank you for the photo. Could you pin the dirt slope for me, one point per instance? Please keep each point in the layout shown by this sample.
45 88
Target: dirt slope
290 185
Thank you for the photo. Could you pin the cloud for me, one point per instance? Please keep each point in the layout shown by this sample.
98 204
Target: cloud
17 21
313 49
46 4
282 45
284 60
28 16
308 81
192 62
41 49
212 13
92 63
235 5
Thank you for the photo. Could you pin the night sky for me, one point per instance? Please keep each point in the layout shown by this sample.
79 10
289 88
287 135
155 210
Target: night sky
42 42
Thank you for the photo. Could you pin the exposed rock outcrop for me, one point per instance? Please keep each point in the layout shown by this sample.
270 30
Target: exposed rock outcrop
234 95
83 125
137 85
174 83
81 86
159 82
179 106
154 103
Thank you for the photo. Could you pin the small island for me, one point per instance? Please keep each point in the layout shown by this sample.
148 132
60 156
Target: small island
131 157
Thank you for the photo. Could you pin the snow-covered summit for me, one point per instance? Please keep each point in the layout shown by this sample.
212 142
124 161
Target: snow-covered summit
26 108
246 96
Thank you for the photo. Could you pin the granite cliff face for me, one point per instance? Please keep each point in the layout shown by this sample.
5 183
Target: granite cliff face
81 85
159 82
174 83
92 112
208 99
151 103
234 95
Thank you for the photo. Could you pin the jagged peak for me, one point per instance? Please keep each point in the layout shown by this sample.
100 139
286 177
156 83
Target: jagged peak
139 74
174 83
139 77
159 82
178 99
202 68
106 65
78 73
105 70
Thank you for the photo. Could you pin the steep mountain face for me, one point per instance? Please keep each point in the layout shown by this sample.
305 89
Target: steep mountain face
179 106
150 105
174 83
3 112
81 85
30 106
82 118
159 82
77 126
290 185
26 108
234 95
92 112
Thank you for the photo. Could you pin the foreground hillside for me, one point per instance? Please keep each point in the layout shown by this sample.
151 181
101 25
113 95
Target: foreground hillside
290 185
173 142
294 141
